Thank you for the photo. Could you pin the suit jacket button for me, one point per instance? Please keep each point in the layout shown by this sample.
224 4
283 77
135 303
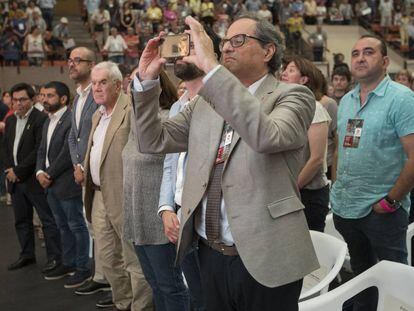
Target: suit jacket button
78 139
204 185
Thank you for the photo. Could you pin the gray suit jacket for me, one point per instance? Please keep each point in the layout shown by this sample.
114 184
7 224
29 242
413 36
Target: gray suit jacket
78 137
60 169
259 178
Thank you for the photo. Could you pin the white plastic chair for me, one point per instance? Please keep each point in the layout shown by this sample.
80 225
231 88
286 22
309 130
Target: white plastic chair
331 230
331 255
393 280
410 234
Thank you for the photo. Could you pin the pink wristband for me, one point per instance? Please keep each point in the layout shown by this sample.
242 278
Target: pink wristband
385 206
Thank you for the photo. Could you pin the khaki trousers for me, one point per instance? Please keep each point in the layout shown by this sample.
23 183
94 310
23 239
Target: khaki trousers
119 262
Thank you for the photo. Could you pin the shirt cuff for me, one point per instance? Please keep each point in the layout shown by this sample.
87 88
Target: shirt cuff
141 86
165 208
40 172
210 74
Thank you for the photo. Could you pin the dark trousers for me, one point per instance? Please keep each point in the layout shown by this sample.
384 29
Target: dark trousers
73 231
316 207
191 270
47 15
370 239
23 202
165 279
318 54
228 286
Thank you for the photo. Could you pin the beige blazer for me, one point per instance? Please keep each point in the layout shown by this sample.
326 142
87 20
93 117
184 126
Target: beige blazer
111 173
259 178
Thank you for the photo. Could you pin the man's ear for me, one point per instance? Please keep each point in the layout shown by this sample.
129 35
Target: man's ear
64 99
270 50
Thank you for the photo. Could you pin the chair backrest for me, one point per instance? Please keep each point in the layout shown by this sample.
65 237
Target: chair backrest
331 254
330 227
410 234
393 280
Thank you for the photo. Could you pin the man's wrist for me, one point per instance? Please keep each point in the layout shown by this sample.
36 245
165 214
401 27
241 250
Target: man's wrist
385 205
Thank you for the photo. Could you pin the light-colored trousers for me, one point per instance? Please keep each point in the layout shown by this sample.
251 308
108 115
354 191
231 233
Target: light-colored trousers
119 263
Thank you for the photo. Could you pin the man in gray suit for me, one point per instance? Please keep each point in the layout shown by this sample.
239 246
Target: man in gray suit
245 137
80 63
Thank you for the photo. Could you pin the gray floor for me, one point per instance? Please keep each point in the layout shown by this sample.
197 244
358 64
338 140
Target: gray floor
26 289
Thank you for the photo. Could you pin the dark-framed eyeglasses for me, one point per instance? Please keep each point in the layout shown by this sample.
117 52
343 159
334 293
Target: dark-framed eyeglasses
238 40
21 100
77 60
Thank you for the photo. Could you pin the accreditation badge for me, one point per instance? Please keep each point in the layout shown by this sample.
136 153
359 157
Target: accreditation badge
353 133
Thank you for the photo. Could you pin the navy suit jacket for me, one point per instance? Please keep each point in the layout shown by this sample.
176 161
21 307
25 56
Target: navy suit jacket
60 169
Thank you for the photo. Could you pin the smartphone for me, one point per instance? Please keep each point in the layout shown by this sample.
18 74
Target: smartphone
175 46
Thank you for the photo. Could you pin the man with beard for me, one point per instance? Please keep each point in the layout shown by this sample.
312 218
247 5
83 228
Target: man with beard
21 141
80 63
173 177
54 173
245 135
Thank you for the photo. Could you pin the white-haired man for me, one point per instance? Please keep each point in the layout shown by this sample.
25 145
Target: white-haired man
103 181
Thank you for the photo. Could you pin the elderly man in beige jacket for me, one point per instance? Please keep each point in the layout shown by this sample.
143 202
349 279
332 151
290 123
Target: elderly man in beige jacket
103 194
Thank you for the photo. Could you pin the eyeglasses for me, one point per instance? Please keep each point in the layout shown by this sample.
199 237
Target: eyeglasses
77 60
21 100
238 40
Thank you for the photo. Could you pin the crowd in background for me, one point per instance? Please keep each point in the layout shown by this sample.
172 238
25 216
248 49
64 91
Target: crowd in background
121 29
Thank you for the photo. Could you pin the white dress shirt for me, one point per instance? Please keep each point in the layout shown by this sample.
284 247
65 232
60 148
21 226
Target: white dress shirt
200 225
20 125
97 144
54 120
83 95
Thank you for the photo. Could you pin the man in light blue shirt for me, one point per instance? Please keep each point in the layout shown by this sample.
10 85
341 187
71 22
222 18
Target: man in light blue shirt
375 170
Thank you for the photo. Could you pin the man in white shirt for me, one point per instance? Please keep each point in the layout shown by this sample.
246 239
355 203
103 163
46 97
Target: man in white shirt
22 138
80 64
103 189
54 173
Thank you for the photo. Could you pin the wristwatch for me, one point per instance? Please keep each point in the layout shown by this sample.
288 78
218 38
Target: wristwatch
394 204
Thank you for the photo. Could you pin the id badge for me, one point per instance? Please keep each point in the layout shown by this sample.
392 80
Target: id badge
353 133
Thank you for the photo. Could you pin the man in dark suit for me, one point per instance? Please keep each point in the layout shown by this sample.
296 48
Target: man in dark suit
21 142
55 174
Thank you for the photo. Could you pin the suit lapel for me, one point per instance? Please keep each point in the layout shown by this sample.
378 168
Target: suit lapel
27 127
216 129
86 107
264 90
58 125
118 116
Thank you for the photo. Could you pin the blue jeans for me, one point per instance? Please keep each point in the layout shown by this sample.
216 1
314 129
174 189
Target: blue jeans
373 238
73 231
191 270
165 279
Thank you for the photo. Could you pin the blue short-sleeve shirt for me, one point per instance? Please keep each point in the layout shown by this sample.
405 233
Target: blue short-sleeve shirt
366 174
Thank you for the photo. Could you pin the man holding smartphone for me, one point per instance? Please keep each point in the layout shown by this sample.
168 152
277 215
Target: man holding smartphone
244 136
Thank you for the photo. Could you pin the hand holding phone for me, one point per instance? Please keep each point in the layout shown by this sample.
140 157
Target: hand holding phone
175 46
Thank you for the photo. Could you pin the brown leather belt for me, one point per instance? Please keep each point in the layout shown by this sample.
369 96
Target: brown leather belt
96 187
222 248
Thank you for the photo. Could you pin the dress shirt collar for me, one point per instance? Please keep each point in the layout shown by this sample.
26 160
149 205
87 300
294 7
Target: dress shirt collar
253 87
25 116
103 112
379 90
85 91
58 114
